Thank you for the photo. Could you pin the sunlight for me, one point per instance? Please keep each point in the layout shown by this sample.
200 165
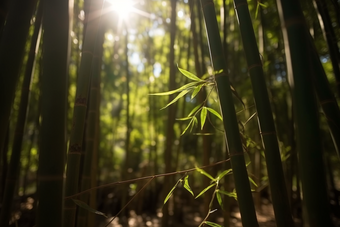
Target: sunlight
122 7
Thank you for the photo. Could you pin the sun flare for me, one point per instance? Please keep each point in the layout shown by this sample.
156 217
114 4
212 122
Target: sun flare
122 7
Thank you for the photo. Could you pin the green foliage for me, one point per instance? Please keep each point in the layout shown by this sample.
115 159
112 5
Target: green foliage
194 87
212 224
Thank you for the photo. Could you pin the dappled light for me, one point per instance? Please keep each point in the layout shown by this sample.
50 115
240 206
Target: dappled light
163 113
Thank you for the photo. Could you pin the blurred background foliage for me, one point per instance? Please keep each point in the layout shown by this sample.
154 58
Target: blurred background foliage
135 63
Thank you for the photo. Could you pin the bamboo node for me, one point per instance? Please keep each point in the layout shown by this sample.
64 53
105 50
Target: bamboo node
81 101
241 4
75 148
268 133
236 154
294 21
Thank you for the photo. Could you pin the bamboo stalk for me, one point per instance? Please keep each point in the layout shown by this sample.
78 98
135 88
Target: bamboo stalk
76 139
12 44
244 196
265 118
53 113
14 166
311 166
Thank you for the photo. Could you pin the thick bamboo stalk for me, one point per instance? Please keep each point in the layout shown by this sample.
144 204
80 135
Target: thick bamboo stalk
326 98
53 113
76 139
14 166
244 196
91 127
12 44
306 115
265 118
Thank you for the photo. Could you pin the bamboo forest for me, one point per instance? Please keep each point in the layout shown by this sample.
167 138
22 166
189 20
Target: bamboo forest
164 113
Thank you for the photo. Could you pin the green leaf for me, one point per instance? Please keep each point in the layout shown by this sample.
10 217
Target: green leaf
201 171
215 113
206 189
213 224
203 116
205 76
189 74
183 118
194 123
187 186
180 95
194 110
219 199
257 10
186 86
87 207
197 89
230 194
190 123
171 191
252 181
225 172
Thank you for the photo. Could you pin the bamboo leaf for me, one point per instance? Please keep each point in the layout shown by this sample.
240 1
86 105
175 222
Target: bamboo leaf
171 191
219 199
189 74
183 118
187 127
203 116
214 112
194 110
88 208
225 172
257 10
180 95
197 89
230 194
252 181
205 76
201 171
186 86
213 224
187 186
206 189
194 123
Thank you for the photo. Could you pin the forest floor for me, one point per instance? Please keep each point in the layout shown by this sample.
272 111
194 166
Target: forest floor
192 218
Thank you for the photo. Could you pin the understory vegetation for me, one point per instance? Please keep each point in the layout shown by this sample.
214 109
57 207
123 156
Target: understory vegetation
169 113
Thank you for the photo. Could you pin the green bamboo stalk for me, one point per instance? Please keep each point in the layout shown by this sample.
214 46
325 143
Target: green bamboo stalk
326 98
306 115
79 113
171 114
244 196
329 34
265 118
12 44
14 166
91 127
53 113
